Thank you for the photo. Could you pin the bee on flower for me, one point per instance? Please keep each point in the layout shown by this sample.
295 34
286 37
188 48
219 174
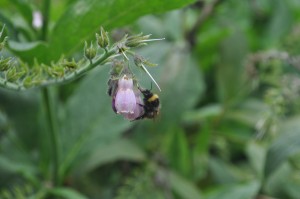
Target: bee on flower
128 99
131 101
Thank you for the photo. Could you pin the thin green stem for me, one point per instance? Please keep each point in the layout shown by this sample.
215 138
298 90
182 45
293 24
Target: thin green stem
81 71
46 17
53 131
90 65
67 78
49 103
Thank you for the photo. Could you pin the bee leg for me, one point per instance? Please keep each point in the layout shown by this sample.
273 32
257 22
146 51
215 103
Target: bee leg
142 105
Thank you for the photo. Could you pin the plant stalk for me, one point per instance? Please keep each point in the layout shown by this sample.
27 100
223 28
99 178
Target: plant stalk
53 132
49 103
46 16
66 79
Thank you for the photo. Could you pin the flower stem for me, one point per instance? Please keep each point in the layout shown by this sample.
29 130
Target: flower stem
49 103
67 78
53 131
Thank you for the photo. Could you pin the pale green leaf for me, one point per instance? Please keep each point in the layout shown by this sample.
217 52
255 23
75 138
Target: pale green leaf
67 193
230 70
178 151
84 17
236 191
257 154
286 145
184 188
89 121
202 114
121 149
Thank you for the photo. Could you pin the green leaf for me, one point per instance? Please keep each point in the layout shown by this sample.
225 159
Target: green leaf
67 193
237 191
29 51
16 143
182 80
178 151
200 151
202 114
13 167
208 43
140 185
22 108
84 17
280 23
9 25
121 149
24 8
277 182
284 182
286 145
89 120
248 112
23 190
221 172
176 73
230 74
256 153
14 164
184 188
292 188
181 83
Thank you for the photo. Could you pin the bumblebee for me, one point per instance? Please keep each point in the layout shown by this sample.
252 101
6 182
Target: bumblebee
151 105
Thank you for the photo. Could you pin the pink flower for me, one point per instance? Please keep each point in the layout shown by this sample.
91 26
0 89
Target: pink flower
126 101
139 110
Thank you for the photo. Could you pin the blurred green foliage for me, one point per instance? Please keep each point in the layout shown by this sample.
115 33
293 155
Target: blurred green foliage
229 124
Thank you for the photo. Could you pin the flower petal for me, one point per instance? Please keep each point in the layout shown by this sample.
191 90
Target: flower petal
125 101
125 83
138 111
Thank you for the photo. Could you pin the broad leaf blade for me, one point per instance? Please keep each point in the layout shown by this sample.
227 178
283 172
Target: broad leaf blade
29 51
230 71
286 145
67 193
24 9
90 120
178 151
239 191
84 17
184 188
121 149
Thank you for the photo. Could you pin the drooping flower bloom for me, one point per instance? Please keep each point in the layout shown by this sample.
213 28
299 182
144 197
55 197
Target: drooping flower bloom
126 101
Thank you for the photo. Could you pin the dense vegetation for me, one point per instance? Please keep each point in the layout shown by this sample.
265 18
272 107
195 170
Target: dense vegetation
229 124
